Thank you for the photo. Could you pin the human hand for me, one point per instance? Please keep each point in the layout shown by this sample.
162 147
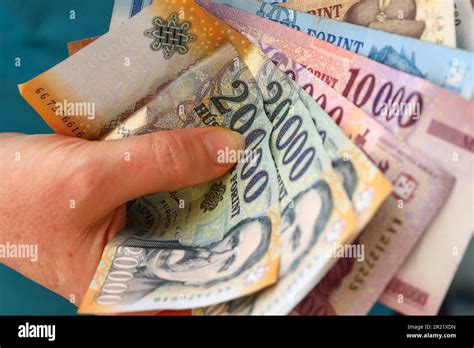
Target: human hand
68 195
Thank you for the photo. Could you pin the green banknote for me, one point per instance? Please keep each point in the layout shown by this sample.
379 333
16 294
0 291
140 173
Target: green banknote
209 243
317 213
302 129
363 181
173 257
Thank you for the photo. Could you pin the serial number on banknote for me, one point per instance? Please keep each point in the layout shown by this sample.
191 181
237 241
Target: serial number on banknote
53 106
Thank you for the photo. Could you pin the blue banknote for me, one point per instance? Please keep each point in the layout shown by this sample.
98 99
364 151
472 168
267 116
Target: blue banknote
126 9
447 67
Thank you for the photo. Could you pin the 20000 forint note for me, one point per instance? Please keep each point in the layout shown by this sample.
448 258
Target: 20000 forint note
173 275
100 74
315 208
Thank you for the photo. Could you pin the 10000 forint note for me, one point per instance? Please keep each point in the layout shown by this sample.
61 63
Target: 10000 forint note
447 67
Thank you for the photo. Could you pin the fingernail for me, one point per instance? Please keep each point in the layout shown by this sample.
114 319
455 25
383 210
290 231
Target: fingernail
223 145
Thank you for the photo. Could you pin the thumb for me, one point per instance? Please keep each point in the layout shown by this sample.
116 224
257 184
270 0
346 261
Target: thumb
163 161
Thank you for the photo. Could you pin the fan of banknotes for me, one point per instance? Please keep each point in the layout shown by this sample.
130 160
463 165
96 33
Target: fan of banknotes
356 186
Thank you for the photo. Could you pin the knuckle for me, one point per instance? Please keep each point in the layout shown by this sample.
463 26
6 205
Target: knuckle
169 155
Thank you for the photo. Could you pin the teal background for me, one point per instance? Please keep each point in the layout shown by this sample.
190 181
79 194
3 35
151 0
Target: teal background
37 32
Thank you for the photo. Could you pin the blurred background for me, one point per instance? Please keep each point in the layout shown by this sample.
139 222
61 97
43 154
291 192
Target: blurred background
37 32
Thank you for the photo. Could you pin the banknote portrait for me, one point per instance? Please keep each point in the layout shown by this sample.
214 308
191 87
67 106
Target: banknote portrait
242 247
348 174
299 232
398 17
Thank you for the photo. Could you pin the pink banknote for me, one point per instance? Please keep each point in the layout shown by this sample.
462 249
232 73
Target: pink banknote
421 187
400 102
424 115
